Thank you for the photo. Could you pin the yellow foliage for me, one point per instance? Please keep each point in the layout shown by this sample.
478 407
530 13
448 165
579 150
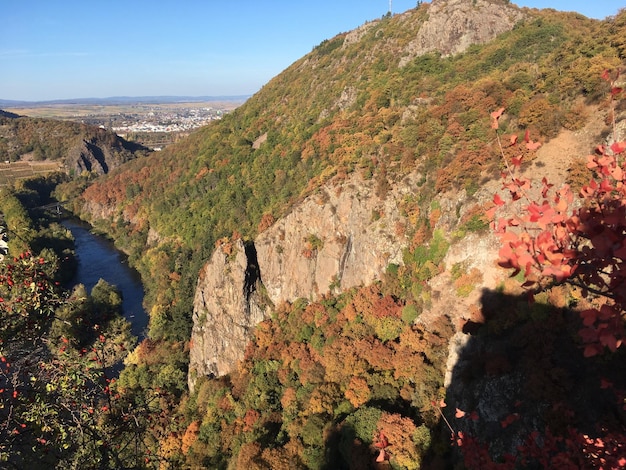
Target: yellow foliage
358 392
169 448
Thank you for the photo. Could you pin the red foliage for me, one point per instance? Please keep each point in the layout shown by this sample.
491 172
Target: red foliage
555 241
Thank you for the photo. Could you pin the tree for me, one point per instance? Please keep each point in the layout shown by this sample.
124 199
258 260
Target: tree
60 403
554 241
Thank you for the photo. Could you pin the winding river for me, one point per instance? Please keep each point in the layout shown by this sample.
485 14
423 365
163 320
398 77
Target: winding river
99 259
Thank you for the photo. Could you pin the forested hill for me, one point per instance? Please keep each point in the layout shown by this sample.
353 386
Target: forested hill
402 110
79 147
375 101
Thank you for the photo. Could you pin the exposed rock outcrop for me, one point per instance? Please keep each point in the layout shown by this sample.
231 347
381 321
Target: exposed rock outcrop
227 305
89 157
343 236
454 25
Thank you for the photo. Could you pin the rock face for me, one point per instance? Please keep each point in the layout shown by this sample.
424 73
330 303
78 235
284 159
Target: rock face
343 236
454 25
226 306
89 157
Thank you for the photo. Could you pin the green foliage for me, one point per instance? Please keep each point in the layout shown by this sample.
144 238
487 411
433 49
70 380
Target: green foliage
424 259
409 313
59 408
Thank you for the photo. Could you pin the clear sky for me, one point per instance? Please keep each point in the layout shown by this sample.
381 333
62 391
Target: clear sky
83 48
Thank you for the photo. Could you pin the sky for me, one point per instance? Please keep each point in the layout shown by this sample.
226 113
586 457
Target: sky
68 49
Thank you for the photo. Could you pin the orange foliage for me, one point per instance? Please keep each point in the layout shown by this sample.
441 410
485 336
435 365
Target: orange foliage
377 354
369 301
267 220
249 456
250 419
358 392
278 458
398 431
289 398
190 436
170 447
324 398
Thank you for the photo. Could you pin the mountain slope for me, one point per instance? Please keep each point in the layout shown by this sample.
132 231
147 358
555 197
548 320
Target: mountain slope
344 204
350 106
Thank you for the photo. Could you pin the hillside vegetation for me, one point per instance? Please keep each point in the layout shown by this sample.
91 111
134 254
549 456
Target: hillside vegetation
348 106
337 381
76 148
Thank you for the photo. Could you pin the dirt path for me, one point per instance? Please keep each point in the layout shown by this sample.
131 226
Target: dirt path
555 157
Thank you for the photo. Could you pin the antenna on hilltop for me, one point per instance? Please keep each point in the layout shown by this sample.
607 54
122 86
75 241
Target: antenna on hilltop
390 7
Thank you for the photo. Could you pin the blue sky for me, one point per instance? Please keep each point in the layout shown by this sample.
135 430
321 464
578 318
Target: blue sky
81 48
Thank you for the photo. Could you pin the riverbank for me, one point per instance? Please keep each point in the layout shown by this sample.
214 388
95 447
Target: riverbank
99 259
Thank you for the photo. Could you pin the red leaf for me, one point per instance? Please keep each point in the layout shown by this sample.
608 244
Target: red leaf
381 456
610 341
382 441
513 139
533 145
517 161
497 200
459 413
495 116
510 419
591 350
616 90
589 316
604 384
618 147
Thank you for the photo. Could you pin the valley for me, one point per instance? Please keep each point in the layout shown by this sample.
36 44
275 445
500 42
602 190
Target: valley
404 252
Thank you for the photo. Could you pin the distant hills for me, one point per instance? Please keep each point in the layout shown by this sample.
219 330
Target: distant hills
122 100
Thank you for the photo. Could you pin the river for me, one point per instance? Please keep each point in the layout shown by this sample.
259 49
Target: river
99 259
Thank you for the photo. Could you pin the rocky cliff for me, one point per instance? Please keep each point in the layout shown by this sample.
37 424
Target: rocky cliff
344 235
454 25
227 305
341 237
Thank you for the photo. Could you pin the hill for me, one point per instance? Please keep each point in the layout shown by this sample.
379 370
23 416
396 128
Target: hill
76 148
342 207
369 102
